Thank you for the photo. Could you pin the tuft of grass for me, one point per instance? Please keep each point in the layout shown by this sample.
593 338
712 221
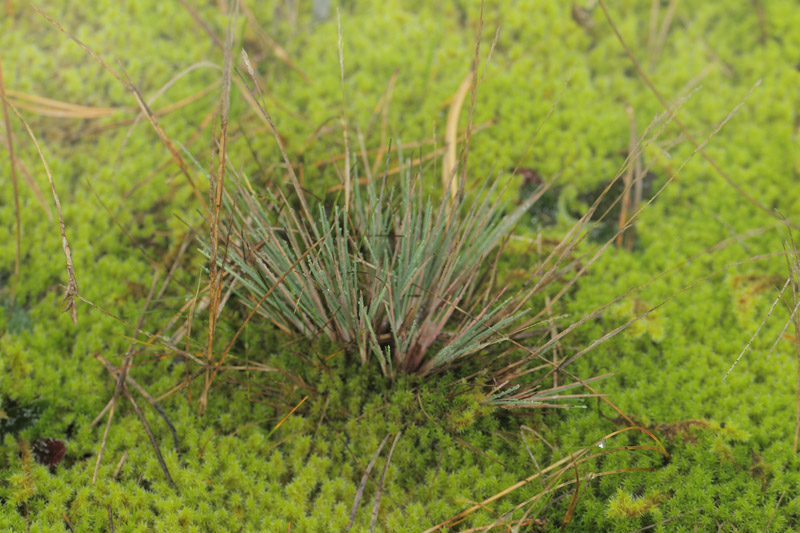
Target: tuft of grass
395 277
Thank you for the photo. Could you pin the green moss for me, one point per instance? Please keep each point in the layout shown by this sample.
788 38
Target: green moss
623 505
730 471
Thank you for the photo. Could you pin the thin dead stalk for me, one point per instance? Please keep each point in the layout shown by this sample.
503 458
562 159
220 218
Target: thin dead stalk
793 264
126 82
121 384
343 120
363 484
473 98
699 147
628 180
216 191
378 494
116 371
449 163
71 293
18 225
150 435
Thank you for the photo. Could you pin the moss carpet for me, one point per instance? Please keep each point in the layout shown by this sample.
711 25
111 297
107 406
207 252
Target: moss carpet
126 208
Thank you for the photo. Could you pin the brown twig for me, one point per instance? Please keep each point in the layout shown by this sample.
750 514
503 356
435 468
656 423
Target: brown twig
150 435
122 378
378 494
363 484
121 462
115 372
774 510
216 192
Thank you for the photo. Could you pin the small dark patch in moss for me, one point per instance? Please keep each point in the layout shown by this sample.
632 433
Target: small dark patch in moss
48 451
17 318
609 208
20 415
545 209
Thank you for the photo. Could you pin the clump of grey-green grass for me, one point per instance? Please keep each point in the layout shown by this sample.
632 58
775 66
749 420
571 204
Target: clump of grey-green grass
399 278
395 277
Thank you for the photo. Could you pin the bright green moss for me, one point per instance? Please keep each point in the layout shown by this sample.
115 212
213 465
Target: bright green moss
623 505
668 367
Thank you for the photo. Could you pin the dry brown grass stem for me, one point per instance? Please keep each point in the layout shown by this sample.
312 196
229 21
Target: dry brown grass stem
449 163
126 82
558 469
412 145
58 109
205 123
114 371
473 99
379 492
261 301
382 110
412 162
699 147
37 192
216 192
149 258
764 321
263 112
659 39
177 105
12 162
569 243
150 435
793 265
200 22
121 462
539 127
774 510
631 177
122 385
165 140
553 334
269 43
363 484
71 292
343 119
